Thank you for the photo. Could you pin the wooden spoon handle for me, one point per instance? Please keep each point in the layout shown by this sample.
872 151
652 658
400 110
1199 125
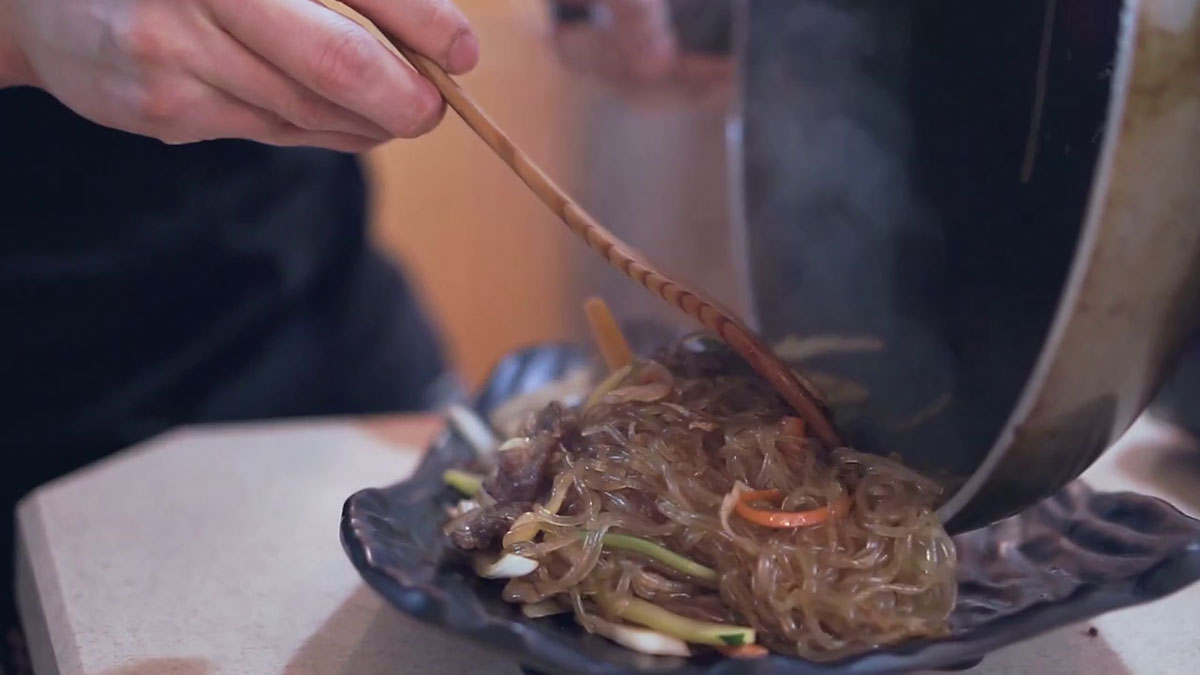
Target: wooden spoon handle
620 255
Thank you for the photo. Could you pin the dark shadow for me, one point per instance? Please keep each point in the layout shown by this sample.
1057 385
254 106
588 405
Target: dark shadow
364 636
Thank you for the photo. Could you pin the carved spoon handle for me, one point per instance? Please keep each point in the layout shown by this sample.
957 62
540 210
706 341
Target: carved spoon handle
620 255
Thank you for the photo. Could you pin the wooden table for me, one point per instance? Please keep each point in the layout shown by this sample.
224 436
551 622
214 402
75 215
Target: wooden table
215 551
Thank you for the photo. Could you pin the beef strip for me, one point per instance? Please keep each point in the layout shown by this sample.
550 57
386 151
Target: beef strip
522 476
555 419
480 528
521 472
702 355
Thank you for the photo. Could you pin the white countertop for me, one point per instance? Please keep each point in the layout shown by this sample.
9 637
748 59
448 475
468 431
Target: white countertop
215 552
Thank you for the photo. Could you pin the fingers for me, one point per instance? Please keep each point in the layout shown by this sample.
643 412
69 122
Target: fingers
212 114
337 59
232 68
436 28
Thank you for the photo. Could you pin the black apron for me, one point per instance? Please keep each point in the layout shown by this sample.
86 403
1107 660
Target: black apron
145 286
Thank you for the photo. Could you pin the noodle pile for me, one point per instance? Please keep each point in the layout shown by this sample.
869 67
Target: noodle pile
648 523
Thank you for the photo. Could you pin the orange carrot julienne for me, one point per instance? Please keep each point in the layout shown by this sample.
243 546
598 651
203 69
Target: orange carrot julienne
609 339
793 431
784 519
744 651
794 426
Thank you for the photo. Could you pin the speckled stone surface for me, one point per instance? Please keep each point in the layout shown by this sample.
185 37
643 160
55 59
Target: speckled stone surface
215 551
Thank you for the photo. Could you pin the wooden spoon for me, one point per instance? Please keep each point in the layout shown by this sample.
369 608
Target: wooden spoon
800 395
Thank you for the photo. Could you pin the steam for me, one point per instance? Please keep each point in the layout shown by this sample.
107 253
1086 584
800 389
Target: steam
839 237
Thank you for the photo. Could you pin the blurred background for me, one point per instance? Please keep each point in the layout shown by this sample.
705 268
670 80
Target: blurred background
496 270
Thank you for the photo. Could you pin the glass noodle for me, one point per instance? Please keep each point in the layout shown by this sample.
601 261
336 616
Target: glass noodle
677 467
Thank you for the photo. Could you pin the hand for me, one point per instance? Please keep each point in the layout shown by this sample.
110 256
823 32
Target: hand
636 49
284 72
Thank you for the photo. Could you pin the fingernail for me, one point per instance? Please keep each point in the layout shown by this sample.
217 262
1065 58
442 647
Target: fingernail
464 52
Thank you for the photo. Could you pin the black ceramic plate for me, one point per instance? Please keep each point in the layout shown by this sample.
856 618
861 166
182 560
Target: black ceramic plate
1072 557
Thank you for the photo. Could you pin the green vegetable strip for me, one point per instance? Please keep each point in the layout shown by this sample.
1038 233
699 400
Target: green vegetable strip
663 555
689 630
610 383
467 483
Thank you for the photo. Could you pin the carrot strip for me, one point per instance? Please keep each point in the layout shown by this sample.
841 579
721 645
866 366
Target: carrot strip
744 651
784 519
794 426
613 346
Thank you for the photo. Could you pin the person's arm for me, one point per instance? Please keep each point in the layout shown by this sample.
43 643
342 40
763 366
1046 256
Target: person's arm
638 43
286 72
